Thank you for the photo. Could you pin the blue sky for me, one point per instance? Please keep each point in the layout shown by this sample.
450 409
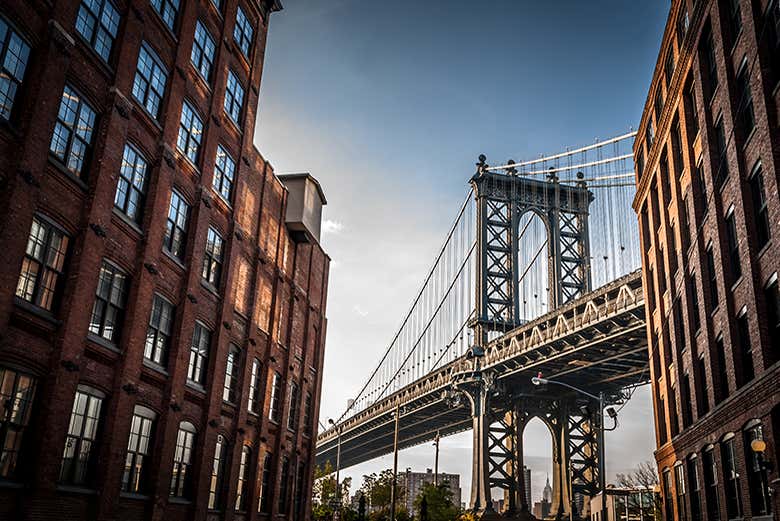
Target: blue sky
388 104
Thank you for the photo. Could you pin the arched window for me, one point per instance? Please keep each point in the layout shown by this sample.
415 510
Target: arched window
138 450
182 460
243 478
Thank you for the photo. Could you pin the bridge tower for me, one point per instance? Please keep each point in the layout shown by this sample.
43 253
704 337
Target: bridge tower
500 414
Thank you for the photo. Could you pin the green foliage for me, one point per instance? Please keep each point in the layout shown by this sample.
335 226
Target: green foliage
324 494
439 503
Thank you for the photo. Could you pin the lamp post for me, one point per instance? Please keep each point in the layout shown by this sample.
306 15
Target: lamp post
395 463
436 461
338 468
758 446
538 380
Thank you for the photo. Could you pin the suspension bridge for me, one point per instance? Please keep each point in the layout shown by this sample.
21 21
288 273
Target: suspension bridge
539 273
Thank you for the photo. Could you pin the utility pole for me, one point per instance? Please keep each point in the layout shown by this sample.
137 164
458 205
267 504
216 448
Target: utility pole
436 461
395 462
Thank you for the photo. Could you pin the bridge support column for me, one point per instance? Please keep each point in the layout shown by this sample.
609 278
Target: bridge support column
477 390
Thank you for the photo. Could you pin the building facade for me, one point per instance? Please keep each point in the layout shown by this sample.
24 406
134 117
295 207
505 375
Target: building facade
162 309
413 482
706 159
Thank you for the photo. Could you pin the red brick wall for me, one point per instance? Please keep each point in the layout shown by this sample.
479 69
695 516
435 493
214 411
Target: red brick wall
675 342
55 348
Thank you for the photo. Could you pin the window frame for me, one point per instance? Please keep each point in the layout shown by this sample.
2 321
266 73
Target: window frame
200 347
275 403
98 25
44 292
200 52
232 375
16 78
136 460
15 419
213 258
163 10
253 400
69 135
176 224
240 36
234 98
190 135
157 69
74 468
224 177
216 480
181 478
160 340
134 166
760 206
244 477
110 306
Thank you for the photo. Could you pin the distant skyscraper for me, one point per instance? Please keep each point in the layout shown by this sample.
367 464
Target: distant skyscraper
527 476
547 492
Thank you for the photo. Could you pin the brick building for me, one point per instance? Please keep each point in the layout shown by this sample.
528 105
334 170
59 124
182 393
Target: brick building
706 161
162 291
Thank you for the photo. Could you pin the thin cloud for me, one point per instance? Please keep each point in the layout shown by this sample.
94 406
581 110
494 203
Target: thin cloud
333 227
360 311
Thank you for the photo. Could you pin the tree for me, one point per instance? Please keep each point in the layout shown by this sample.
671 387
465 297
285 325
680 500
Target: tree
437 500
377 490
645 475
324 495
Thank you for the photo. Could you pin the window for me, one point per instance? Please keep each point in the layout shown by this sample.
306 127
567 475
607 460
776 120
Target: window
702 189
284 488
224 174
232 374
203 50
17 391
14 53
677 152
190 132
243 32
772 303
138 448
668 502
735 19
167 9
217 474
702 400
730 478
721 158
708 59
687 402
300 495
694 292
264 503
241 492
760 502
78 457
712 277
745 115
683 20
176 226
43 264
253 405
72 137
679 477
722 386
217 4
158 334
649 133
212 258
685 225
307 415
711 483
199 354
640 164
182 460
693 109
760 207
131 188
669 67
747 371
150 80
292 416
695 487
731 235
659 104
661 419
274 412
97 22
234 97
109 303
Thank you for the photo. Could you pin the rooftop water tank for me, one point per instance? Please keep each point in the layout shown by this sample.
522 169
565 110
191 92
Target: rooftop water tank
304 206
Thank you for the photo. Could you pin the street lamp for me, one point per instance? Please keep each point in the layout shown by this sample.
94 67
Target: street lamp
758 446
436 461
395 462
538 380
338 466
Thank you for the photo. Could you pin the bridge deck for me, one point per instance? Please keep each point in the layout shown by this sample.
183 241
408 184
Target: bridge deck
596 342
